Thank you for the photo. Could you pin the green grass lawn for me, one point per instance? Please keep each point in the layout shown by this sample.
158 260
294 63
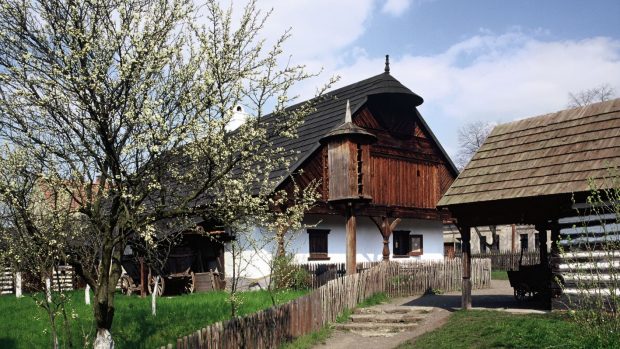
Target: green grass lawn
24 325
499 275
495 329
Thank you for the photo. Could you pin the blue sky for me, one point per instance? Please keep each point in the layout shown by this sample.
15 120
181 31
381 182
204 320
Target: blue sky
470 60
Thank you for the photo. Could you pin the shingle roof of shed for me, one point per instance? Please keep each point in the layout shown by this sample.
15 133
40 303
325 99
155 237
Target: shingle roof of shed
330 113
545 155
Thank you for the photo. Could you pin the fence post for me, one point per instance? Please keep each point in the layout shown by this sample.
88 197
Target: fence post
87 294
18 285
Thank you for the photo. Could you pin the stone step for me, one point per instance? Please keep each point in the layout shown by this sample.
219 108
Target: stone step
374 327
394 310
386 318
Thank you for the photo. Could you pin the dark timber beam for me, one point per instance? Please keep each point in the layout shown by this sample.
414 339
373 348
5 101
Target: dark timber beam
466 246
555 238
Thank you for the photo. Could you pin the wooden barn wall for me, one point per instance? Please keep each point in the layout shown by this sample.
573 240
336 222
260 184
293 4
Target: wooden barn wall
403 183
312 169
445 179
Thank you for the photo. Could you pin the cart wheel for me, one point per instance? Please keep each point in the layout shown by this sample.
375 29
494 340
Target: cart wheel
160 286
190 287
126 285
520 293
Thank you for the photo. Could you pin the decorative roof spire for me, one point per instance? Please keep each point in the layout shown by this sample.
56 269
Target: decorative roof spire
347 115
387 64
349 130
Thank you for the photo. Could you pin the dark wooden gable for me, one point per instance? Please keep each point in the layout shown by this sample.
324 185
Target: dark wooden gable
408 170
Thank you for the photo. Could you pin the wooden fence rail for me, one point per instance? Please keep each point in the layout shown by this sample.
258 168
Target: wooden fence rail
507 260
271 327
6 281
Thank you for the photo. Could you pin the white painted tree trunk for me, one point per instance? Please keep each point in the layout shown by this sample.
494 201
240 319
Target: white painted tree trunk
18 285
48 289
154 297
104 339
87 294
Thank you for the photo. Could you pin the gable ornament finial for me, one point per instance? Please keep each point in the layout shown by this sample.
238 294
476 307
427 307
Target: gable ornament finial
347 115
387 64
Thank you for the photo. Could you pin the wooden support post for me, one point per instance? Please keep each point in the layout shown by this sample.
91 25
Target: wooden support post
466 288
542 233
351 239
554 264
386 232
514 238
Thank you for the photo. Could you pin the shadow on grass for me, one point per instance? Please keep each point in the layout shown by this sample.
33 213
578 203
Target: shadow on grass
7 343
134 334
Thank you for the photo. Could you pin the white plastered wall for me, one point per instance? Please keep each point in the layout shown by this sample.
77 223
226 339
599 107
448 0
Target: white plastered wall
255 265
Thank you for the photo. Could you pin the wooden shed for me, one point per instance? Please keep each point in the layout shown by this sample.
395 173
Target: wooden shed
535 171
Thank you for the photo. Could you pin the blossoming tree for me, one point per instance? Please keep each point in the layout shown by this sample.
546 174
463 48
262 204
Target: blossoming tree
122 107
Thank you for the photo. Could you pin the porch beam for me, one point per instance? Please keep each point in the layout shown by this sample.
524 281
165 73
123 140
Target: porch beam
385 229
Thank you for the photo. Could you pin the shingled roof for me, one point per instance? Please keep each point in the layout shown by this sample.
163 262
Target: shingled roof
544 155
330 113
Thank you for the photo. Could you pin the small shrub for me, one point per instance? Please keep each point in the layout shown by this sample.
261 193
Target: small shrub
288 275
594 300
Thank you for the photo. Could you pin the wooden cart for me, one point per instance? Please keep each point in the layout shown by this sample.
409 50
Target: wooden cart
175 277
529 281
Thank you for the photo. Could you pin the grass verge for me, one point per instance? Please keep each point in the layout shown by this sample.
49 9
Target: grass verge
24 325
499 275
309 340
495 329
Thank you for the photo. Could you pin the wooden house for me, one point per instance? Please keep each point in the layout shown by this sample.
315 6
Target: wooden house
536 171
382 172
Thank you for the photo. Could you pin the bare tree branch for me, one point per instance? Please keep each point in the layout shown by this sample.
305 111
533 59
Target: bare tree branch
597 94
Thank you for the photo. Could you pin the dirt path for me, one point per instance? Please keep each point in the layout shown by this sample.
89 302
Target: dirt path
498 297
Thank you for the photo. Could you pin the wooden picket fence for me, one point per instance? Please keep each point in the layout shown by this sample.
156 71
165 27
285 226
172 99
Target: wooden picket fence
411 278
321 273
271 327
508 260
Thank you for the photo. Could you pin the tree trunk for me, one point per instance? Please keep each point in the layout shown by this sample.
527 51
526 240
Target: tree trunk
280 251
104 339
103 307
154 297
